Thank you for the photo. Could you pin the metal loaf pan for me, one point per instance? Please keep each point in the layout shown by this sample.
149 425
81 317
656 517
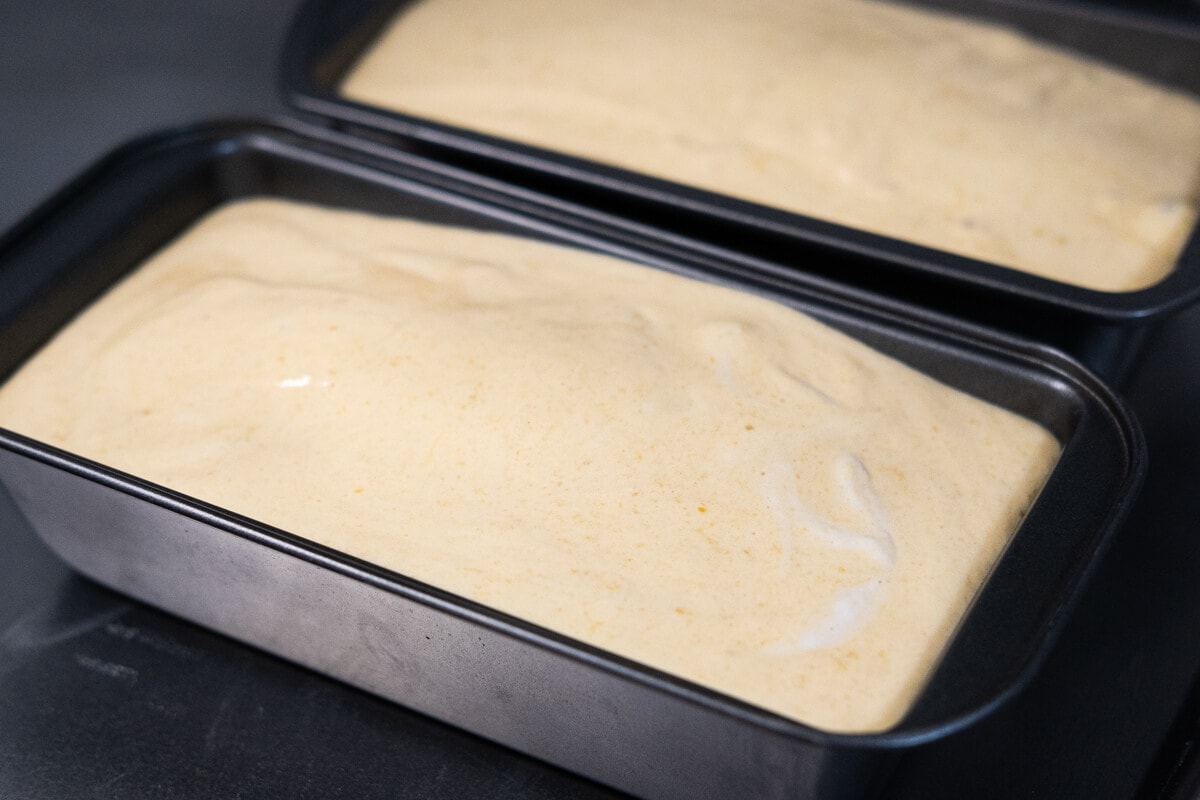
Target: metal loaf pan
573 705
1100 328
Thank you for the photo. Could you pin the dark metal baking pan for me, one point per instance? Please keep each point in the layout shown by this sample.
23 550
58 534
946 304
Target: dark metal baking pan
571 704
328 37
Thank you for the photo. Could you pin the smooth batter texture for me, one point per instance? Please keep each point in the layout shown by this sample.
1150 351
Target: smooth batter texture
697 478
948 133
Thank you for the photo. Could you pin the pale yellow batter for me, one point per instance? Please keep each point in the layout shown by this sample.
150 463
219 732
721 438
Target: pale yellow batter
919 126
688 475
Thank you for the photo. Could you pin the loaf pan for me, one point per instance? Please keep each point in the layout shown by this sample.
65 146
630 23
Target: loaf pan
570 704
1101 328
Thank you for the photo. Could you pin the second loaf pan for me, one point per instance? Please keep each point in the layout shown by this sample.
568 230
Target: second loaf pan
1102 328
571 704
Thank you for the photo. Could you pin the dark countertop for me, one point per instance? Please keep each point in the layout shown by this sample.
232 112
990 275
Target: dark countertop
102 697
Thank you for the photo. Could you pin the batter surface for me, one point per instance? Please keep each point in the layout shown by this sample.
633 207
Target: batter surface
919 126
696 478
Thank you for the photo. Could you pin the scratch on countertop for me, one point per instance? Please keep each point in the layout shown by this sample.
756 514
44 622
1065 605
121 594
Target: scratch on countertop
106 668
150 639
214 734
35 630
